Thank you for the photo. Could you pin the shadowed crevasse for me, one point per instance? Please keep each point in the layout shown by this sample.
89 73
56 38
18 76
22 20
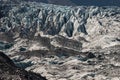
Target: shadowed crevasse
82 2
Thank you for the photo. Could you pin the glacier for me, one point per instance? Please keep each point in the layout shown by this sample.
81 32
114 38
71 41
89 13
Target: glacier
91 23
59 40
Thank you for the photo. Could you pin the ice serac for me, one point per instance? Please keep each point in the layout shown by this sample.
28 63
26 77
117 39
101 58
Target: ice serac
91 26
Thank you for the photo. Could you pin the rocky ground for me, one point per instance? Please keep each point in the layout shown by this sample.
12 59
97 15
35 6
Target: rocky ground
9 71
